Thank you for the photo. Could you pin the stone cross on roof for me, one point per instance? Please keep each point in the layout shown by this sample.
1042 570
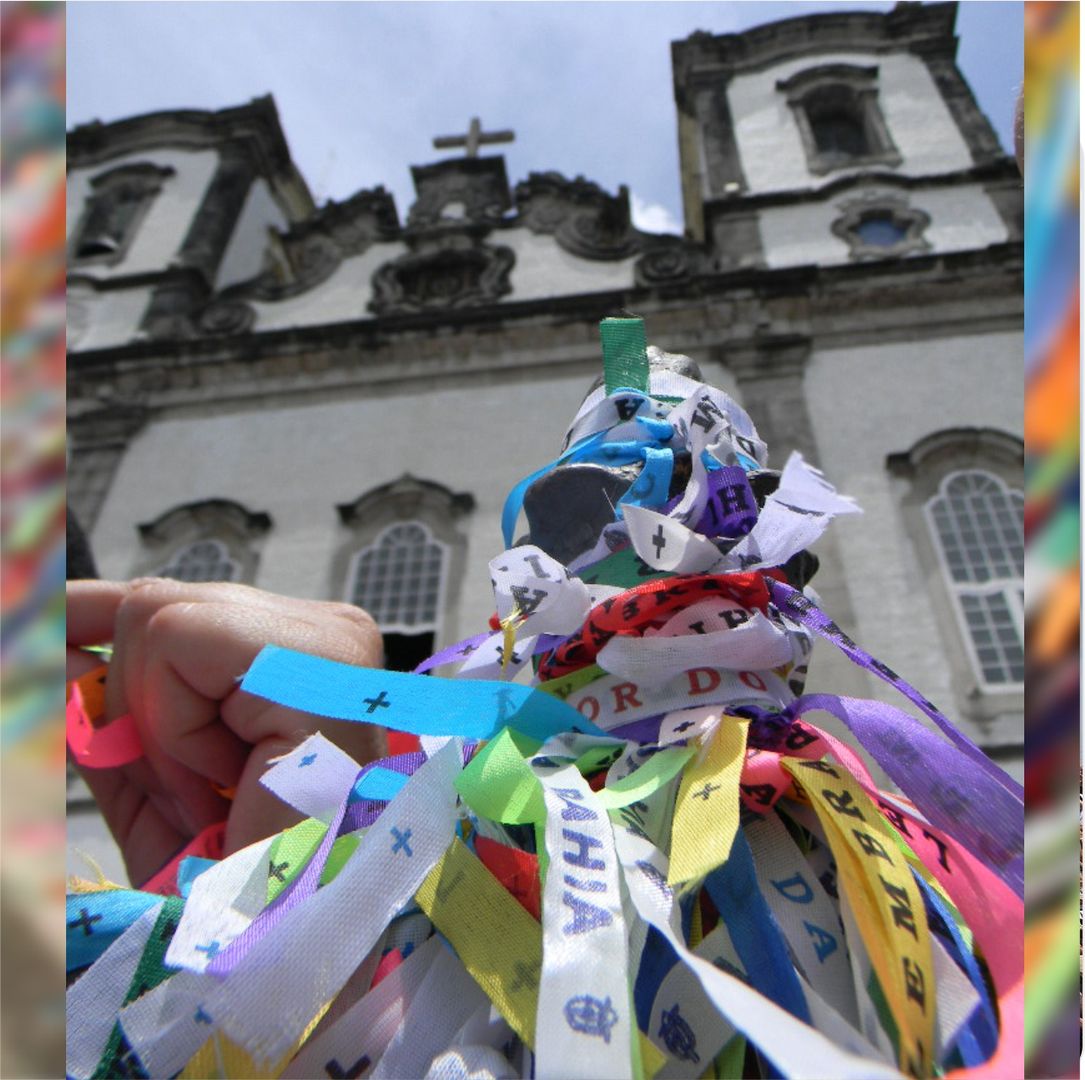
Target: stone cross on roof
473 139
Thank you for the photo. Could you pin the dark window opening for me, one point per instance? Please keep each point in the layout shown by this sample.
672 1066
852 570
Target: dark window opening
837 126
879 230
404 652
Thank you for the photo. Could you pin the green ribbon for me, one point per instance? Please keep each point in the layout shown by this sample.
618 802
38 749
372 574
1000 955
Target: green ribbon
625 355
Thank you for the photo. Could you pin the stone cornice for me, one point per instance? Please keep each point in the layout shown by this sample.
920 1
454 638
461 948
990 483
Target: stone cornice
1005 168
254 127
719 314
920 27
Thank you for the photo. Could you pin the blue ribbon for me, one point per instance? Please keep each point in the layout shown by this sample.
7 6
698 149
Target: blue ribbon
593 449
754 931
96 920
419 704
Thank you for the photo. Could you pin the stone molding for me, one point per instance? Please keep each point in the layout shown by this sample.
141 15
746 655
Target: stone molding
584 219
455 271
905 26
1000 173
254 127
852 301
314 249
119 202
207 514
959 448
856 88
874 203
479 184
410 496
229 523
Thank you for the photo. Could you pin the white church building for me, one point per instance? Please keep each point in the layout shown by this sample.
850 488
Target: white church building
333 401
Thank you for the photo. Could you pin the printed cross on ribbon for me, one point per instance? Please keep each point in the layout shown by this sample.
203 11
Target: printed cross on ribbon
401 841
659 542
467 649
307 760
337 1072
527 976
706 791
85 920
275 870
212 950
379 702
685 726
201 1017
501 656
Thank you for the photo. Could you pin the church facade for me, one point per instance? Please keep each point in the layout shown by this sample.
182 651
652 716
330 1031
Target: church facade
333 401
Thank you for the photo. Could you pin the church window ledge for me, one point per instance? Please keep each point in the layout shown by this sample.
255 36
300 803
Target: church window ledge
839 118
118 203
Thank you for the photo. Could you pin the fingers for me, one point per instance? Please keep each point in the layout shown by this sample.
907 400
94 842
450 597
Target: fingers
179 651
257 813
144 834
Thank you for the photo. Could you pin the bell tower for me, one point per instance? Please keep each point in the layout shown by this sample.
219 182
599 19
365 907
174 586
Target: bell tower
837 137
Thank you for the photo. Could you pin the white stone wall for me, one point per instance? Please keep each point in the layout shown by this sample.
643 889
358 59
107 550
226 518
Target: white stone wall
343 297
544 269
963 218
101 320
162 230
298 461
244 255
918 120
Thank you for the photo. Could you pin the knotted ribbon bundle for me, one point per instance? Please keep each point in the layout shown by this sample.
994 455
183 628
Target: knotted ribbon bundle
623 848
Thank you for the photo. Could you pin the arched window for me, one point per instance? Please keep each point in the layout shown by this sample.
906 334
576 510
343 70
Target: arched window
210 540
403 559
838 116
977 524
962 507
204 560
399 579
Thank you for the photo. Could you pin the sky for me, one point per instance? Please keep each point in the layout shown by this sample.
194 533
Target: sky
362 88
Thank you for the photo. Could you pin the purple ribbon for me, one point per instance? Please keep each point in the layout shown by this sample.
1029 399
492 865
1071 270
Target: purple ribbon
948 788
458 652
731 507
302 887
462 649
793 604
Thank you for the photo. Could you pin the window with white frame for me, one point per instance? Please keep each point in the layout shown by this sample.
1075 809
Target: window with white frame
978 528
399 579
204 560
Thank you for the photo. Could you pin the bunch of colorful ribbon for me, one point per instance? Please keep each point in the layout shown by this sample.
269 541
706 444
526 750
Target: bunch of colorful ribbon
645 860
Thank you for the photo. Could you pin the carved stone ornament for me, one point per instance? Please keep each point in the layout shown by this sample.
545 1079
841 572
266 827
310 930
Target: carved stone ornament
881 225
442 278
669 263
459 190
226 317
312 250
579 214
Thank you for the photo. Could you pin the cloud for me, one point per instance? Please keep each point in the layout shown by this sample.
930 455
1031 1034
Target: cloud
653 217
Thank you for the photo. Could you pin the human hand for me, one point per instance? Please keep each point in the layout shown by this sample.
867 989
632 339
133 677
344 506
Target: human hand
179 651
